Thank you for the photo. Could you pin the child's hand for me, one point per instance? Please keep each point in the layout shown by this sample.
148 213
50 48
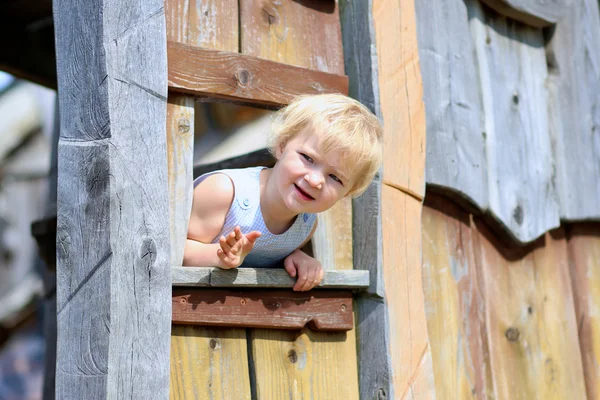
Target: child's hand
308 270
235 247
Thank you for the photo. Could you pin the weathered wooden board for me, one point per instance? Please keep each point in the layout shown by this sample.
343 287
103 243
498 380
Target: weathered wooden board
303 364
209 364
512 73
113 259
305 33
243 78
584 266
276 309
409 343
573 53
212 24
538 13
455 136
263 277
454 300
401 96
530 316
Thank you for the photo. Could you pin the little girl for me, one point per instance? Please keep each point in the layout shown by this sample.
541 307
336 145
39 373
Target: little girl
327 147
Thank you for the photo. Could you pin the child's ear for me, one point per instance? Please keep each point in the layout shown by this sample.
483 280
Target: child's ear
279 150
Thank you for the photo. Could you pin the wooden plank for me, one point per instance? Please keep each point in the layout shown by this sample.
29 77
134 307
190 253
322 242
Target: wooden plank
276 309
113 269
409 343
303 364
584 268
537 13
456 159
211 24
454 300
401 94
532 329
522 194
293 32
209 364
573 53
263 277
237 77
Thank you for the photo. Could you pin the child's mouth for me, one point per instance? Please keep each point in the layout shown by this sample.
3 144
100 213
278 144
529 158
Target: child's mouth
303 194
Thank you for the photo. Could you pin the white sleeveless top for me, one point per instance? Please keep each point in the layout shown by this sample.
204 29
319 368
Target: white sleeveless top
269 249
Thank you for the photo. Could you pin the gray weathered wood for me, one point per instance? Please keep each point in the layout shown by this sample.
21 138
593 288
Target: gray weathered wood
455 143
574 97
512 73
113 251
537 13
372 339
263 278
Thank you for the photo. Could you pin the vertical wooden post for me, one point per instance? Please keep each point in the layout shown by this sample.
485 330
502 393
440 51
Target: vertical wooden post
113 251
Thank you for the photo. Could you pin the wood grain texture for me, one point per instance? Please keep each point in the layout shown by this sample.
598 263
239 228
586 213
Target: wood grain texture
180 154
537 13
401 94
113 259
303 364
209 364
332 240
573 53
242 78
305 33
512 73
532 330
276 309
409 343
456 158
211 24
262 277
454 300
584 268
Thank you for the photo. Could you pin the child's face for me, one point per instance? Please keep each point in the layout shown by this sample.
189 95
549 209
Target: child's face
309 180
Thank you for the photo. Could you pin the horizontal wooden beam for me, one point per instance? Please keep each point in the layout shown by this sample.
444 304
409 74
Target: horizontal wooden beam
274 309
242 78
262 278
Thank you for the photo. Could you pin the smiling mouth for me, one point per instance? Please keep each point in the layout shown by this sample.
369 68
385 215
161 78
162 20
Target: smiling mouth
303 194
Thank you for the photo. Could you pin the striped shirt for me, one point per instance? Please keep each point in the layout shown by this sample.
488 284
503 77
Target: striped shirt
269 249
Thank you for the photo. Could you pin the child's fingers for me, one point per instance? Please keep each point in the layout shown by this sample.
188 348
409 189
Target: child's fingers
302 275
289 266
231 239
224 245
310 280
238 233
252 236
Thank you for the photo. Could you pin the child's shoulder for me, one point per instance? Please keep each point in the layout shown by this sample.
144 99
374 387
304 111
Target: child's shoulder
214 193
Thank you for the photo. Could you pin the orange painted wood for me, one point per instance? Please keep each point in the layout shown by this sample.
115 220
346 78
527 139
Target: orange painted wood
277 309
242 78
584 266
305 33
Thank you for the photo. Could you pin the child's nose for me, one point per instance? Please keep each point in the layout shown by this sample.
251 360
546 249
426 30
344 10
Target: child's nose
314 179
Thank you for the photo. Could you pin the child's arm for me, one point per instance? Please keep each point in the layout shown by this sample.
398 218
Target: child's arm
308 270
211 202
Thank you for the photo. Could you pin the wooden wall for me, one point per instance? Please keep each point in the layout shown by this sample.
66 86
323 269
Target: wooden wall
263 363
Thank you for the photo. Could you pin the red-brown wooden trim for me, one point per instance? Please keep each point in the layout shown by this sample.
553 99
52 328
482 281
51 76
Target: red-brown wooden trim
329 310
242 78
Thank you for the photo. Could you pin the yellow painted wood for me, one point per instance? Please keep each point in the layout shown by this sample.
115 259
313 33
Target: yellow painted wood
409 347
209 364
530 315
584 256
401 93
304 365
454 302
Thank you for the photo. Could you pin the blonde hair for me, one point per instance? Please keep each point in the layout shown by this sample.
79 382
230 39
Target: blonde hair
344 125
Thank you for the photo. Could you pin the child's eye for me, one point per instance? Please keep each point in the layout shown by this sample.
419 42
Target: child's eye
335 178
307 158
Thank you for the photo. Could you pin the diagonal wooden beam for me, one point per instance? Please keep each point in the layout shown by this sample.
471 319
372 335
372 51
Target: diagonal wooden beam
242 78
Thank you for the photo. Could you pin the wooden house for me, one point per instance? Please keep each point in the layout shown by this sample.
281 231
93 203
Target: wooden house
470 266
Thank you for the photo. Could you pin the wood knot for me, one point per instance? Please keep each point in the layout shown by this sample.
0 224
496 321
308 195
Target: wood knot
512 334
518 214
270 14
242 76
343 307
184 125
212 344
380 394
515 98
292 356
